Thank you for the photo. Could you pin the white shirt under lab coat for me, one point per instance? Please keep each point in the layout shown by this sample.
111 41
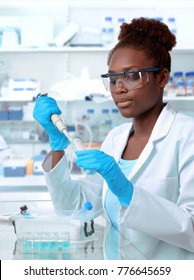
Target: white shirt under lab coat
162 206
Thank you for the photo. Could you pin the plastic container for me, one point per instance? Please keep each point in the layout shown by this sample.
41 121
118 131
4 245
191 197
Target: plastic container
3 115
107 31
85 214
15 114
51 232
14 168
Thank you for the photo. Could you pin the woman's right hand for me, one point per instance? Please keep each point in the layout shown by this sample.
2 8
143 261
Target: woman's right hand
44 107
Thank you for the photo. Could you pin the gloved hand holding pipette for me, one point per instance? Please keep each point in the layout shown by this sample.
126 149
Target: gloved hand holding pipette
109 169
45 107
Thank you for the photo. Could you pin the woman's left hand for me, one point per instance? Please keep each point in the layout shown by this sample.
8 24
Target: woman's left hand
111 172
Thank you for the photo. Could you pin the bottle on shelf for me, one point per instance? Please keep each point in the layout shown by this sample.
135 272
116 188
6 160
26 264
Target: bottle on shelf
119 22
171 22
179 83
159 18
189 83
107 31
181 91
169 89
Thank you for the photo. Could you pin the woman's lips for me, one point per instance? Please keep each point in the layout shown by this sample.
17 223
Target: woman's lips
123 103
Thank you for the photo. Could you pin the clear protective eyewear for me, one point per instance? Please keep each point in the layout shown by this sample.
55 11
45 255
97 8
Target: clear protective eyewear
131 80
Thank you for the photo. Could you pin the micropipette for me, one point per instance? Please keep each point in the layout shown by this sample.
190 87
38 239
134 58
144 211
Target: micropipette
60 125
75 143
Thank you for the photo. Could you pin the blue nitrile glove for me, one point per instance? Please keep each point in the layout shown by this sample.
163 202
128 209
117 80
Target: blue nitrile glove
109 169
44 107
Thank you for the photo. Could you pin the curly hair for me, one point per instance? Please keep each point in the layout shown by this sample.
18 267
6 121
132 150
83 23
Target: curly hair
150 35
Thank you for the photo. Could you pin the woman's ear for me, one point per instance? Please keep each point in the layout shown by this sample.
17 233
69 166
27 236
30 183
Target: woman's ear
163 77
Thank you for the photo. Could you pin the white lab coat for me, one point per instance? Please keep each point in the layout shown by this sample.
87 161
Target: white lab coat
162 206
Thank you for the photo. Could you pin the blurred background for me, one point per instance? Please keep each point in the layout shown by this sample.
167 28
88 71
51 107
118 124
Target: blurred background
61 47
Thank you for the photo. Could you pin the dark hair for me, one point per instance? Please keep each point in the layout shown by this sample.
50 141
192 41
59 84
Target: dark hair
150 35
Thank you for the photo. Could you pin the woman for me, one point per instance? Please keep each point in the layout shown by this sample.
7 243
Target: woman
145 170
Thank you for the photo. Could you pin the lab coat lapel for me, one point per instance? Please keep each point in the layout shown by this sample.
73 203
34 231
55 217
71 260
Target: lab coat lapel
160 131
120 142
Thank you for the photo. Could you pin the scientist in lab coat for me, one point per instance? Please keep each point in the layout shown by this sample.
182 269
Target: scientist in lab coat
145 169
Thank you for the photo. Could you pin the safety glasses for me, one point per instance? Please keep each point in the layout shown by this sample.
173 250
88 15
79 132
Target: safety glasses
131 80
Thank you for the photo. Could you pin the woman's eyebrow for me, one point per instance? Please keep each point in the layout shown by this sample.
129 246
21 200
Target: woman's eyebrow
126 69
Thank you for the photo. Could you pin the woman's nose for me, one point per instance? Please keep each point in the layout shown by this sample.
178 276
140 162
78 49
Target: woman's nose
120 87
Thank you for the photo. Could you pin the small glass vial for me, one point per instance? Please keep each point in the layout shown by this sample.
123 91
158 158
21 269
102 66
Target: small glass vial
76 145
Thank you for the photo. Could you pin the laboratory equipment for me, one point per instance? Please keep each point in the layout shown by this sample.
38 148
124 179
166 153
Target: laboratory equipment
76 143
52 232
24 210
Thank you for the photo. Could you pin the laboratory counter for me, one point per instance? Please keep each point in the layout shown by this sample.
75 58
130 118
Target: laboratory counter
106 243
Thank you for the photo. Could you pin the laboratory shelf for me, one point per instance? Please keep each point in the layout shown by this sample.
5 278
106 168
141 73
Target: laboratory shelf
68 49
26 181
55 50
60 4
58 98
178 98
11 99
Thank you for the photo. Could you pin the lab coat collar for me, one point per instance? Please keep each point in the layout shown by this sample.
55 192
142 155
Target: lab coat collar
163 124
120 141
160 130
